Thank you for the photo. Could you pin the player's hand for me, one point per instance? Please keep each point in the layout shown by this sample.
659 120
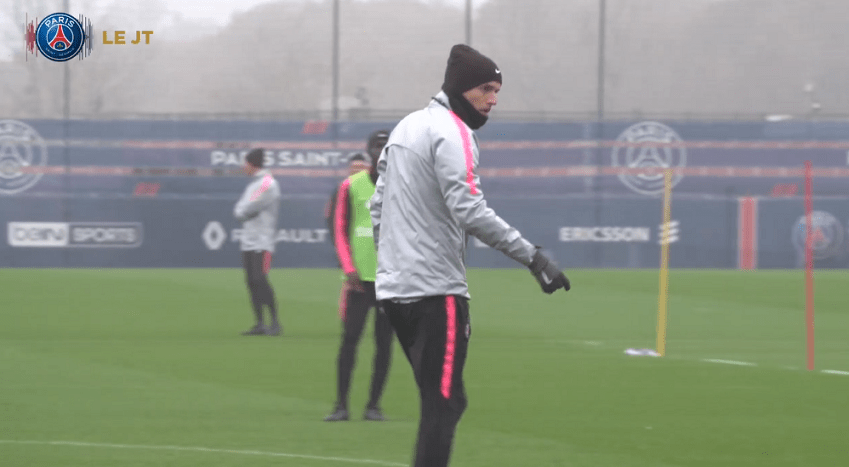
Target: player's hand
547 273
354 282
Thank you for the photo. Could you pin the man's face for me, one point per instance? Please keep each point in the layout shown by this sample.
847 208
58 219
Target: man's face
483 97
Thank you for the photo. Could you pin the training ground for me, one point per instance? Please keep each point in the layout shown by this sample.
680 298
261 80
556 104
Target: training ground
147 367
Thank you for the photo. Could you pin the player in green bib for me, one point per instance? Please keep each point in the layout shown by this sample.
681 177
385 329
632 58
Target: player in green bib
354 242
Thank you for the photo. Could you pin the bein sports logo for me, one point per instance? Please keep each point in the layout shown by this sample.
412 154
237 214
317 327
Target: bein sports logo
60 37
635 151
826 232
75 234
21 147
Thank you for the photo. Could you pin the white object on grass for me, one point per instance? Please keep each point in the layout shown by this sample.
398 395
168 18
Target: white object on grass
642 353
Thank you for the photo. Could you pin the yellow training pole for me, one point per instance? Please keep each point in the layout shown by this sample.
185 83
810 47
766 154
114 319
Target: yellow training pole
664 263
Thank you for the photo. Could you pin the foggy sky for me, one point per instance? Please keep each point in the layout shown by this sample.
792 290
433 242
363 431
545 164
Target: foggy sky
693 58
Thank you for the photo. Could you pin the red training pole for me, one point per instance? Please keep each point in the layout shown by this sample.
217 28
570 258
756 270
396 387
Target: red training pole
809 263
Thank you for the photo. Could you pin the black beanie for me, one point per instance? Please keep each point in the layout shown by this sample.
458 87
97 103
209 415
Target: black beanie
377 139
468 68
256 157
357 156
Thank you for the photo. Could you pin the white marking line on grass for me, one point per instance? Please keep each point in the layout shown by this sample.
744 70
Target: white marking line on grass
202 449
728 362
836 372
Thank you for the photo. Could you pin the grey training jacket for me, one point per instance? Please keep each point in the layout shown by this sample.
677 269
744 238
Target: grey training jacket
427 200
257 209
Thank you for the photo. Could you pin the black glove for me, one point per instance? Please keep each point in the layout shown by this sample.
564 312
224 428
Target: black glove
547 273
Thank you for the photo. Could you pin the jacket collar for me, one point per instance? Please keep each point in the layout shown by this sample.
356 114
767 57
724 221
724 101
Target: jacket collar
261 173
441 99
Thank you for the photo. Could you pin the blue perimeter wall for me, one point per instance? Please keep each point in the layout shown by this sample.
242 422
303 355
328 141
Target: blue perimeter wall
594 221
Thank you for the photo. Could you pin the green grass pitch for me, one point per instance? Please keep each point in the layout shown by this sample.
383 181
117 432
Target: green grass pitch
147 368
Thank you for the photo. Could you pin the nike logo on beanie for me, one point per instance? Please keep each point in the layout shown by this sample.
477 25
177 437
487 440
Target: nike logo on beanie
467 68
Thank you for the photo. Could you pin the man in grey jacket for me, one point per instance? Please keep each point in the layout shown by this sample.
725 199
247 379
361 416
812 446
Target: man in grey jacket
426 203
257 210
